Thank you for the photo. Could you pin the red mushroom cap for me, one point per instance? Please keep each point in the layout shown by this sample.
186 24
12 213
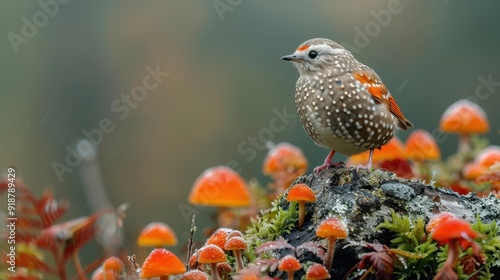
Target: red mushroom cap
114 264
211 254
455 229
157 234
317 272
420 146
289 263
220 186
394 149
464 117
154 265
236 243
332 227
438 219
284 157
218 238
301 192
194 275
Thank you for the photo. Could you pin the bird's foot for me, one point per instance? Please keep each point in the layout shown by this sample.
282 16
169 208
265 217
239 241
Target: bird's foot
368 166
365 167
327 165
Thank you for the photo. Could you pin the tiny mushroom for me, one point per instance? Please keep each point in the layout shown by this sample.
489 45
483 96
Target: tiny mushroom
394 149
154 265
421 146
101 274
491 176
211 255
220 186
113 264
194 275
290 264
157 234
438 219
301 193
331 228
455 233
486 158
464 118
237 244
218 238
284 163
193 260
234 233
317 272
223 269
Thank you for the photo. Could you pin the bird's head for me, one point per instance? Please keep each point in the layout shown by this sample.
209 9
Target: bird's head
317 55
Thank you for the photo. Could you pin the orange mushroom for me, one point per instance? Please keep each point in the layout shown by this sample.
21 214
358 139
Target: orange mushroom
464 118
284 163
332 228
194 275
421 146
220 186
438 219
101 274
234 233
317 272
394 149
237 244
486 158
154 265
492 176
224 269
290 264
218 238
211 255
455 233
301 193
157 234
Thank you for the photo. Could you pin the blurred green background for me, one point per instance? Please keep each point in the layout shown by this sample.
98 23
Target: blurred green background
64 65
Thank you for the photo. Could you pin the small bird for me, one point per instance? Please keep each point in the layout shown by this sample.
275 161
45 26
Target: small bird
342 104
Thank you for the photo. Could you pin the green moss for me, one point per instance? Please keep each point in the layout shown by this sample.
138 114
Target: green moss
409 236
272 224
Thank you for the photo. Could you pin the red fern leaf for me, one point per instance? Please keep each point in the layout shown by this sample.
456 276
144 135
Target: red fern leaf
313 247
52 211
384 265
32 262
273 245
81 233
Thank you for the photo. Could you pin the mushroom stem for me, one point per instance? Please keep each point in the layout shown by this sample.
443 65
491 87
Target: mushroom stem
213 271
329 253
447 270
290 275
464 143
239 261
302 212
453 253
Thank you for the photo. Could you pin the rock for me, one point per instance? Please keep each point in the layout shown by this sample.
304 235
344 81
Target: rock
364 198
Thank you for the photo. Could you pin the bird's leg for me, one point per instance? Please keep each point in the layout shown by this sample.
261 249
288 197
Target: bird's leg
369 164
328 162
370 158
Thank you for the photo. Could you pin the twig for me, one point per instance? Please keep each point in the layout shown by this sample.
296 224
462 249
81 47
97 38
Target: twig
190 242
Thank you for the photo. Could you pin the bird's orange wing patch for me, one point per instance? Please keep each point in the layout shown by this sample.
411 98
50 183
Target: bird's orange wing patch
380 94
303 47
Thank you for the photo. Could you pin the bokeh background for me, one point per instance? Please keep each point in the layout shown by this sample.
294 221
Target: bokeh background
225 84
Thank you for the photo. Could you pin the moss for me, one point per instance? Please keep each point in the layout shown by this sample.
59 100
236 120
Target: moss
409 236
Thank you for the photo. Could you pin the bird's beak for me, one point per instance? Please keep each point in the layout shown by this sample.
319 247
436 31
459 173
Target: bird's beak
291 57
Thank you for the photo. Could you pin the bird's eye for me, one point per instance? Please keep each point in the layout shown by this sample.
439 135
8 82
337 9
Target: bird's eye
312 54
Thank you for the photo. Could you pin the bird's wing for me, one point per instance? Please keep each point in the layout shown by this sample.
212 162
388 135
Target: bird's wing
381 94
